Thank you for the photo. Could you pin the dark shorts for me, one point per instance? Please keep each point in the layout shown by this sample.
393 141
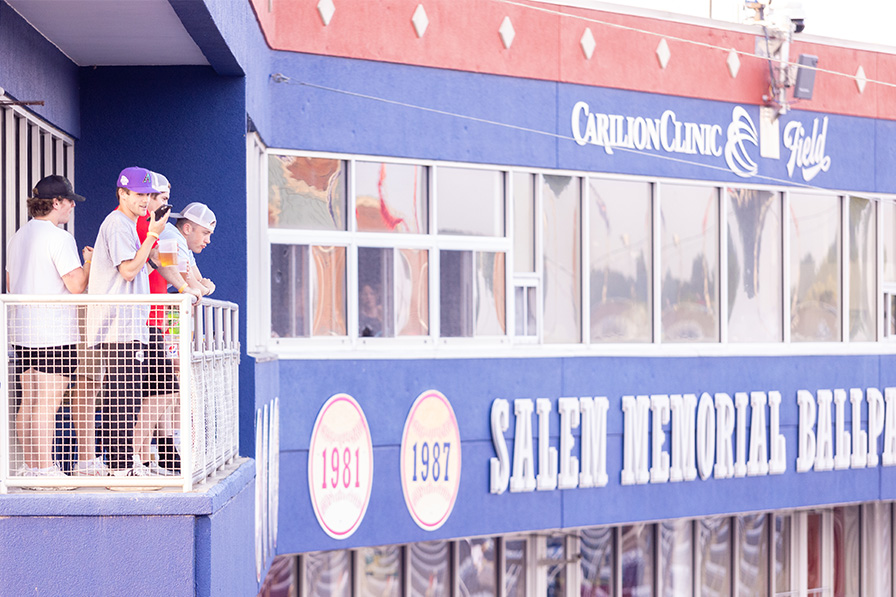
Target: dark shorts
161 377
57 360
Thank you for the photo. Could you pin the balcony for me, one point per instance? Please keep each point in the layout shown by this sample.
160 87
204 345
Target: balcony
175 408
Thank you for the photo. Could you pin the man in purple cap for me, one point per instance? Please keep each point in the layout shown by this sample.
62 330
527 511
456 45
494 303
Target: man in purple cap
120 331
43 259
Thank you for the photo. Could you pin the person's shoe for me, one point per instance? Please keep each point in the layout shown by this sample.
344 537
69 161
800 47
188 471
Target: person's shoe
47 473
158 471
138 469
91 468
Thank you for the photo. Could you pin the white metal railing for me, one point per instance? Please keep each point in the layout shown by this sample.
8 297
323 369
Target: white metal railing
125 409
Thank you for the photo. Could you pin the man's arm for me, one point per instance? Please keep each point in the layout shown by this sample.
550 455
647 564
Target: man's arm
130 268
204 284
176 279
76 280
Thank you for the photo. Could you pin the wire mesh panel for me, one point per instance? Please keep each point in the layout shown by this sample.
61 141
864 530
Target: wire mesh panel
97 392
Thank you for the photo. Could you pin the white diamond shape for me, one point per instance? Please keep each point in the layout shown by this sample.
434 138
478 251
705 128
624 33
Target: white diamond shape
662 53
420 20
861 80
507 32
733 63
588 43
326 8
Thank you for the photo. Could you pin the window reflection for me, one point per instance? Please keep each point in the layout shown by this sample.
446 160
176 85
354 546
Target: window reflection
393 294
375 282
523 222
677 546
637 560
714 557
754 266
429 563
597 562
294 280
391 197
862 271
814 268
878 548
621 261
476 570
490 294
888 239
753 548
380 571
470 201
328 574
515 568
306 193
689 234
562 242
782 554
846 551
472 295
555 553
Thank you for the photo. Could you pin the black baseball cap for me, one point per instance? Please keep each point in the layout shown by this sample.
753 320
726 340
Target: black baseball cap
53 187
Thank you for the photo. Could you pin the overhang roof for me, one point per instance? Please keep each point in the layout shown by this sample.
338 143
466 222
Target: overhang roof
115 32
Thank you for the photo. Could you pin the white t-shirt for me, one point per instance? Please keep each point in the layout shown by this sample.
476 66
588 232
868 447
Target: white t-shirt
38 255
116 242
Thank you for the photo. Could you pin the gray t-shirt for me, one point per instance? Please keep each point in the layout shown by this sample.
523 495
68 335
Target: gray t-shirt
184 254
116 242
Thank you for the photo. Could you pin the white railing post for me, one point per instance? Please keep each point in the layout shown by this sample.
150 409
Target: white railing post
6 385
185 360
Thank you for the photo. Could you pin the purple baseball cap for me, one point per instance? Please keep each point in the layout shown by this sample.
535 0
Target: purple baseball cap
140 180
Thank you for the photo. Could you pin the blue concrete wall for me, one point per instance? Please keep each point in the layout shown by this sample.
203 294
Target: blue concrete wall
387 389
334 104
33 69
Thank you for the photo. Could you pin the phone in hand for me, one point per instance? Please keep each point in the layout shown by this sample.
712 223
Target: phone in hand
160 213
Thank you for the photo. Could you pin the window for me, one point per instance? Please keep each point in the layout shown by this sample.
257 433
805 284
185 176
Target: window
814 268
476 571
752 555
471 202
307 291
597 548
526 281
689 235
391 197
430 565
677 548
393 292
621 256
637 559
847 570
381 571
306 193
327 574
713 573
862 270
29 150
561 215
515 567
754 266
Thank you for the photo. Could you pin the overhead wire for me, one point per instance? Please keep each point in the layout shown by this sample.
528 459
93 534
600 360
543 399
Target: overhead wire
678 39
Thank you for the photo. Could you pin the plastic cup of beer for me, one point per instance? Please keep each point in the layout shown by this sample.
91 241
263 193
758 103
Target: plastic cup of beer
168 252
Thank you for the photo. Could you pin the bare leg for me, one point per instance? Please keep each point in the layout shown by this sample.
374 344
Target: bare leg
42 394
151 412
84 415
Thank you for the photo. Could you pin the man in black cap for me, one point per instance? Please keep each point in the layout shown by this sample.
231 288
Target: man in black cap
43 259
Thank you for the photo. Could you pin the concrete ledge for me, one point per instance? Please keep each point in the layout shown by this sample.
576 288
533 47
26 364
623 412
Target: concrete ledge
205 499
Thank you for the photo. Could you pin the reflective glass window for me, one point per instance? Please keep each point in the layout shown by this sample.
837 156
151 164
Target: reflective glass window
561 215
597 560
755 270
877 549
391 197
862 271
430 563
847 547
476 571
621 261
783 546
555 559
753 548
714 557
393 292
470 201
677 548
526 310
381 571
282 578
307 291
306 193
637 559
689 236
515 568
814 553
888 240
490 294
523 222
328 573
814 268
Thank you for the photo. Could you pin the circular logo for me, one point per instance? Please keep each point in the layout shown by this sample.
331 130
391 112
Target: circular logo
430 460
340 466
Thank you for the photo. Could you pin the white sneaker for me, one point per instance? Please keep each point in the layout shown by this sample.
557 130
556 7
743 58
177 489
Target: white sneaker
91 468
47 473
138 469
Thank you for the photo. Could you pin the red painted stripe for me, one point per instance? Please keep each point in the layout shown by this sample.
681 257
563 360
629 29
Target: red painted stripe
464 36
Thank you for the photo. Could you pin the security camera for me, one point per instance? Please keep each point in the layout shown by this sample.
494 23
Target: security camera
797 15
